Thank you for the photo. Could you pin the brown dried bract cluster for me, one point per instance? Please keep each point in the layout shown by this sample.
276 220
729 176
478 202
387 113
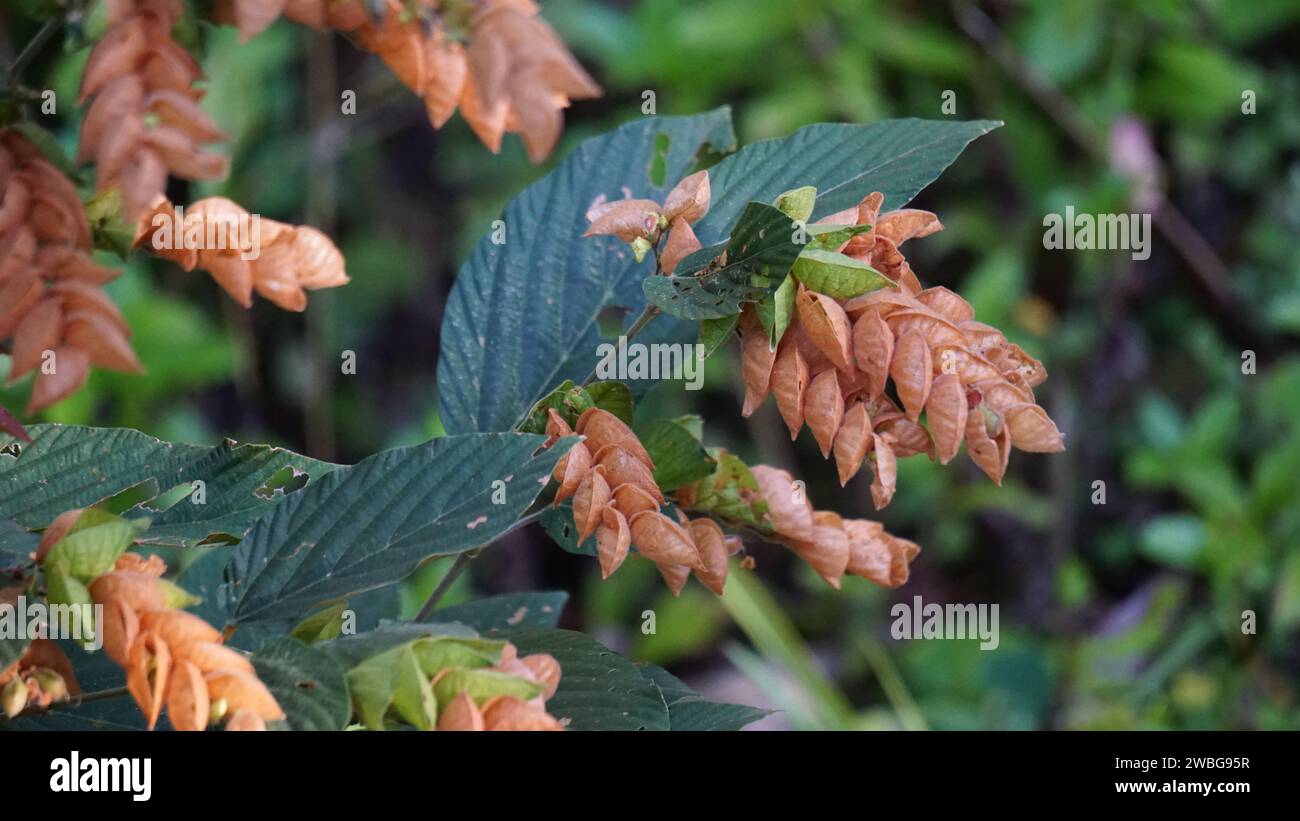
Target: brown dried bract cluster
833 364
642 223
610 478
51 298
144 121
281 263
507 712
496 59
175 658
40 677
832 545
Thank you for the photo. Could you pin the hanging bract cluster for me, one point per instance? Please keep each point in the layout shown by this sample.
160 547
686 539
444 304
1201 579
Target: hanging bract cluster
495 59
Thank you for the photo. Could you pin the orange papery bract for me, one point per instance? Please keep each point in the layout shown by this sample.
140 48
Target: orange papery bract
613 539
826 325
873 349
989 451
663 541
828 549
789 381
621 467
172 657
570 471
461 714
509 713
710 541
852 442
756 361
589 502
885 479
680 244
946 411
604 428
675 576
912 370
787 505
824 409
631 499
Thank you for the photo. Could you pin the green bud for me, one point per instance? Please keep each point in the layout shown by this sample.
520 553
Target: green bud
14 697
640 247
51 683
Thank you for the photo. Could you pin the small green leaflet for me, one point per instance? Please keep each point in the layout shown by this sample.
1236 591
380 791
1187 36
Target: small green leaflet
836 275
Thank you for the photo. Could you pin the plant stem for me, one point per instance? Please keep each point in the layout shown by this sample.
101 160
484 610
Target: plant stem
77 701
463 560
650 312
457 568
33 47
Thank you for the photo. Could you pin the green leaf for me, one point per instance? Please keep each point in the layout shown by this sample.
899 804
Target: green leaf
510 610
731 492
798 203
323 625
837 275
714 333
760 253
366 526
307 682
599 689
393 680
833 237
92 544
775 310
613 397
441 652
522 316
63 588
69 466
678 456
689 711
483 685
845 162
350 651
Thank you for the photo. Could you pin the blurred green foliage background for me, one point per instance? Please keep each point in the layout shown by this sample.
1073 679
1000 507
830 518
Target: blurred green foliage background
1127 614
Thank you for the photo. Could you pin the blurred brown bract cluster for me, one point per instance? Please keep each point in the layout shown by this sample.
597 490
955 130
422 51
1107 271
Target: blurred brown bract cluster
52 302
496 60
144 121
40 677
832 366
464 712
281 262
172 658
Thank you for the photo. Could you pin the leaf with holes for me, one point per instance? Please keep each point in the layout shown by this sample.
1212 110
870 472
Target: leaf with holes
69 466
758 256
